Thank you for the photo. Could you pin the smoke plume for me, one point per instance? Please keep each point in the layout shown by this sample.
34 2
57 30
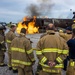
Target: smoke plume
42 8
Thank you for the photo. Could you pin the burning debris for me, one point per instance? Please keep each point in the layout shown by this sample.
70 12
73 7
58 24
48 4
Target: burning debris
29 25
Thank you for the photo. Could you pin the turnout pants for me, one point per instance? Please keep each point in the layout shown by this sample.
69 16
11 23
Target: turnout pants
25 71
2 57
9 62
71 68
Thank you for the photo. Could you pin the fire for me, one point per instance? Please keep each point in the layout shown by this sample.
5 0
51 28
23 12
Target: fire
31 29
36 29
20 26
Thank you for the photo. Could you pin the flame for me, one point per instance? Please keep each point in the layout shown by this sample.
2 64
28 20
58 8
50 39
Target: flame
25 18
36 29
20 26
31 29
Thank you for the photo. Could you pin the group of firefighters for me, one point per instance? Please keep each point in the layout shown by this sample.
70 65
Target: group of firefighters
52 50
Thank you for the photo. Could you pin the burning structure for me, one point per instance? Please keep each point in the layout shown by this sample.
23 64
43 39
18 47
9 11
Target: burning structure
35 25
29 24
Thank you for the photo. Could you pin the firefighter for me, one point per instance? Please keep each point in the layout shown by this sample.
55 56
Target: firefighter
2 45
22 54
71 45
49 26
9 37
68 33
67 36
61 33
51 51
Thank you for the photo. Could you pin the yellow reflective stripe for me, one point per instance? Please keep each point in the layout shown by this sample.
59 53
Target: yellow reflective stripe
14 65
59 66
52 71
50 50
17 49
14 68
59 60
2 42
72 63
34 49
9 65
30 51
60 51
33 59
44 65
8 41
44 59
65 51
20 62
56 66
38 52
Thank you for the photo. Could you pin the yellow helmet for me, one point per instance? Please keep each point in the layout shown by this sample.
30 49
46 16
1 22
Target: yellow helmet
60 31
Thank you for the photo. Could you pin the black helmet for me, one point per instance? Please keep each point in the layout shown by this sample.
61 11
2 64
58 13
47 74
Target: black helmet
2 27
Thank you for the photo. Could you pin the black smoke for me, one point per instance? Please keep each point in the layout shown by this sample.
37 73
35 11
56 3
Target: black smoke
33 10
42 8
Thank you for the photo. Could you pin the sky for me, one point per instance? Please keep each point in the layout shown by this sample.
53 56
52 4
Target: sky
14 10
